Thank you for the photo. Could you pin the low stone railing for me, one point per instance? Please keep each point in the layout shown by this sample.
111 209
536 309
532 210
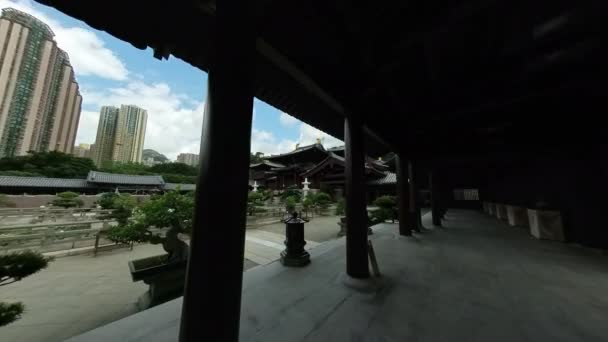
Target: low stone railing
43 237
40 215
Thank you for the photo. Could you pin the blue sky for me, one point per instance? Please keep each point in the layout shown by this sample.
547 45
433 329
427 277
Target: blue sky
112 72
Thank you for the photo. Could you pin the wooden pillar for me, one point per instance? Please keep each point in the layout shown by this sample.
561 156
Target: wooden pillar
414 210
212 294
435 210
403 194
356 216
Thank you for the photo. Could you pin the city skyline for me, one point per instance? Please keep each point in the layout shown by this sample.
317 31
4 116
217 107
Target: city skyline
113 72
40 101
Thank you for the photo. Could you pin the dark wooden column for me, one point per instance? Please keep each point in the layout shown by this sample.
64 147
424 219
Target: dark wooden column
414 210
212 295
356 215
435 209
403 194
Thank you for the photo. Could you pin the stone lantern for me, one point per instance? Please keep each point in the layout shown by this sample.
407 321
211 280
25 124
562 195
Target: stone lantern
305 188
294 254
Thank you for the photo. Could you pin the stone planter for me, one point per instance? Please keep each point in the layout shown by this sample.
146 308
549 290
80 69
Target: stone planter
501 211
546 224
165 280
517 216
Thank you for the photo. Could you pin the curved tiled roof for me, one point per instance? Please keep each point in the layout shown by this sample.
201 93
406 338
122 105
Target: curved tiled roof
42 182
114 178
266 162
297 150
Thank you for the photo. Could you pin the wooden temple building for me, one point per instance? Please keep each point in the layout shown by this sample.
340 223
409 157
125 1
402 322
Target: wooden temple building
323 168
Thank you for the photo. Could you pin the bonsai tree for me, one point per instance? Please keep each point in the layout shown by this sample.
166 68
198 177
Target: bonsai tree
14 267
107 200
67 199
340 207
322 200
290 204
254 201
387 209
293 192
123 206
308 202
5 202
171 212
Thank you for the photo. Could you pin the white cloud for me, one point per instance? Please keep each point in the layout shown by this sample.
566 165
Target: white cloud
287 120
174 122
87 127
87 52
309 135
267 143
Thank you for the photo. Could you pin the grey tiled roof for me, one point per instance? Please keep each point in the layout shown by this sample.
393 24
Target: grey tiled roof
183 187
267 162
115 178
42 182
297 150
389 179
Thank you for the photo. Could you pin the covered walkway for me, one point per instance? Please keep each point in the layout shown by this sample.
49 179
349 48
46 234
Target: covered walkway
476 279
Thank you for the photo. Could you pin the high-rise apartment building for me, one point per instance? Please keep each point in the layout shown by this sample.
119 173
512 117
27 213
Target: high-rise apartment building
188 158
120 134
39 97
106 131
82 151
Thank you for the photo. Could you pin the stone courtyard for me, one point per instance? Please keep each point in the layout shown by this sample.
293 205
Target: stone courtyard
476 279
79 293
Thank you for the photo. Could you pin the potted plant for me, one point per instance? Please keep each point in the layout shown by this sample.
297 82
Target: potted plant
159 220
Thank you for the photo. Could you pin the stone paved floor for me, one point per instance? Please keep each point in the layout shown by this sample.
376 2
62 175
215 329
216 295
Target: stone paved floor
78 293
319 229
474 280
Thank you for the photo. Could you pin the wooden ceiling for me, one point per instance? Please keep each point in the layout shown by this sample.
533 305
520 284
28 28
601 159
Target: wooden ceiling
430 79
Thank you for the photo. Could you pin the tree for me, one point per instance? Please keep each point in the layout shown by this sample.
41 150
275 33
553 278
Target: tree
292 191
171 172
256 158
254 200
67 199
127 168
14 267
387 209
290 204
106 201
49 164
172 210
20 174
122 207
322 200
5 202
174 168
